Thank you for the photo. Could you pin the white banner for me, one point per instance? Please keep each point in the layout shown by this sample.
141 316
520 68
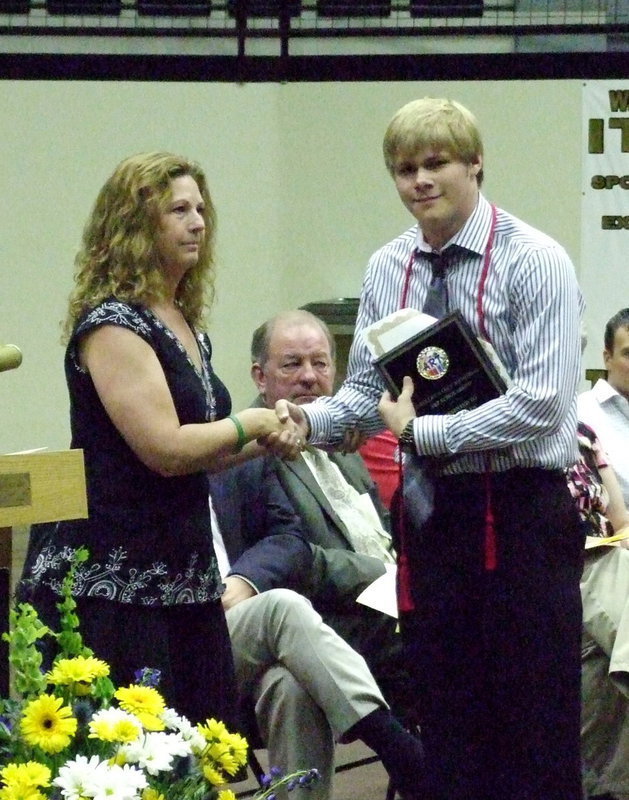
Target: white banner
605 209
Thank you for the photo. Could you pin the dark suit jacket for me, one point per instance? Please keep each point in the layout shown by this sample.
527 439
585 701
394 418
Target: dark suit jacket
260 530
323 526
268 544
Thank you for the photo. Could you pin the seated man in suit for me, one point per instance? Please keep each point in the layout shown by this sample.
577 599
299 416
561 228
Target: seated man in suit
308 686
334 496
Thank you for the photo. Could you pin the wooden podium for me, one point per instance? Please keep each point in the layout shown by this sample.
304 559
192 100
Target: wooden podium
40 486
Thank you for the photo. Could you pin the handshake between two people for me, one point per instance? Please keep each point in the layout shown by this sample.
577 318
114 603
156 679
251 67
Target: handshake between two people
395 414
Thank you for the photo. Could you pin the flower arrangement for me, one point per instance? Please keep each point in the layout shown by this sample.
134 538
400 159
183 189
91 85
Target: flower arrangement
70 734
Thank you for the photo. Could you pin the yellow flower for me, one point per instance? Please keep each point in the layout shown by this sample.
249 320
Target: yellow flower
238 747
22 781
121 730
48 724
229 763
145 703
221 755
213 730
19 792
226 794
213 775
31 773
229 752
152 794
81 669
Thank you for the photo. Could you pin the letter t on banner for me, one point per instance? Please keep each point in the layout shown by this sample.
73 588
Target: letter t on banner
604 276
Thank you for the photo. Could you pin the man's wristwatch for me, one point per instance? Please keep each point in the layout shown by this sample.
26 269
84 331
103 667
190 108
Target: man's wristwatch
407 439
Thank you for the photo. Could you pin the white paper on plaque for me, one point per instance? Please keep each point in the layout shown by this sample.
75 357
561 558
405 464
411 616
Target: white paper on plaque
385 334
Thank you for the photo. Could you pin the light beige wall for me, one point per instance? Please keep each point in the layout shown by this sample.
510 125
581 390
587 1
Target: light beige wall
58 143
302 195
343 204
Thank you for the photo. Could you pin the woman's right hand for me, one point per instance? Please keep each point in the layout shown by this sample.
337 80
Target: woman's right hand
281 438
285 441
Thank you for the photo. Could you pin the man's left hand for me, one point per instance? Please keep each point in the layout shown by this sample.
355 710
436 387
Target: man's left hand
397 413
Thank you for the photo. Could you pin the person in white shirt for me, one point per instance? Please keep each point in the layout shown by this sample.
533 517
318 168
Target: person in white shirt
605 407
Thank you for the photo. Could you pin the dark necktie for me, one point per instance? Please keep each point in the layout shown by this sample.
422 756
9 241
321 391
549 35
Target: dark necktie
417 484
436 303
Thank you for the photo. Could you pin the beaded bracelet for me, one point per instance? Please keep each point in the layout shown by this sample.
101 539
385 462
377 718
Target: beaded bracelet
241 441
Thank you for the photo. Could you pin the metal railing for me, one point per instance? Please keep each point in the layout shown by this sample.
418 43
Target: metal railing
289 22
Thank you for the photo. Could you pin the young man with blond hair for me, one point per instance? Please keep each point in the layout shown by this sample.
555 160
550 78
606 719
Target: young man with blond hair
488 584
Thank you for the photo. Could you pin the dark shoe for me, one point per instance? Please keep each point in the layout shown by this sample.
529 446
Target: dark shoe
400 751
606 796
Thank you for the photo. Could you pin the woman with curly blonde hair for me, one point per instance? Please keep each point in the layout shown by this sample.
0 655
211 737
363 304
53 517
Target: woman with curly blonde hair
152 419
118 256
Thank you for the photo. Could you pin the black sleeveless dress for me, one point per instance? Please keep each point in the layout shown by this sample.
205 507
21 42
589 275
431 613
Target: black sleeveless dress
149 594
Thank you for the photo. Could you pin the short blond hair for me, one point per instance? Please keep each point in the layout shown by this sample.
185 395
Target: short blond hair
433 122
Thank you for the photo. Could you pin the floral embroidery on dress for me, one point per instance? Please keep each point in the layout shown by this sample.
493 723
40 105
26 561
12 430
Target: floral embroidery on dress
210 413
115 312
112 580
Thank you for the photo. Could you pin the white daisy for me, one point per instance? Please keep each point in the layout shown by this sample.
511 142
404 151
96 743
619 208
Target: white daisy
189 732
74 776
110 718
116 783
155 751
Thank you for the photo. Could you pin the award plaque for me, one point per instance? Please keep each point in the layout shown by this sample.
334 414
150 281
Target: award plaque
450 368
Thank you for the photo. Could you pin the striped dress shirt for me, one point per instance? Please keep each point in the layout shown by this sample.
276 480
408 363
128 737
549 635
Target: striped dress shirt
532 308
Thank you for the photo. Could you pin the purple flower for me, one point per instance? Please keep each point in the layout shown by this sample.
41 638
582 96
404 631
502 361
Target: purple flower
148 676
276 772
276 778
6 723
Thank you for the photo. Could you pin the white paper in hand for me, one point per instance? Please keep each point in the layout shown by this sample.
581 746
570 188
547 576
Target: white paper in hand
380 595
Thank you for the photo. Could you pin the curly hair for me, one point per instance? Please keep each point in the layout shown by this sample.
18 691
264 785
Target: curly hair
118 255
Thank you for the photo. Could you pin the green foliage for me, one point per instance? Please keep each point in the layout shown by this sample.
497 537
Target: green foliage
69 639
25 630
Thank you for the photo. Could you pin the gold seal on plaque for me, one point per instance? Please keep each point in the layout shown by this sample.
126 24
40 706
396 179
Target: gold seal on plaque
432 363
